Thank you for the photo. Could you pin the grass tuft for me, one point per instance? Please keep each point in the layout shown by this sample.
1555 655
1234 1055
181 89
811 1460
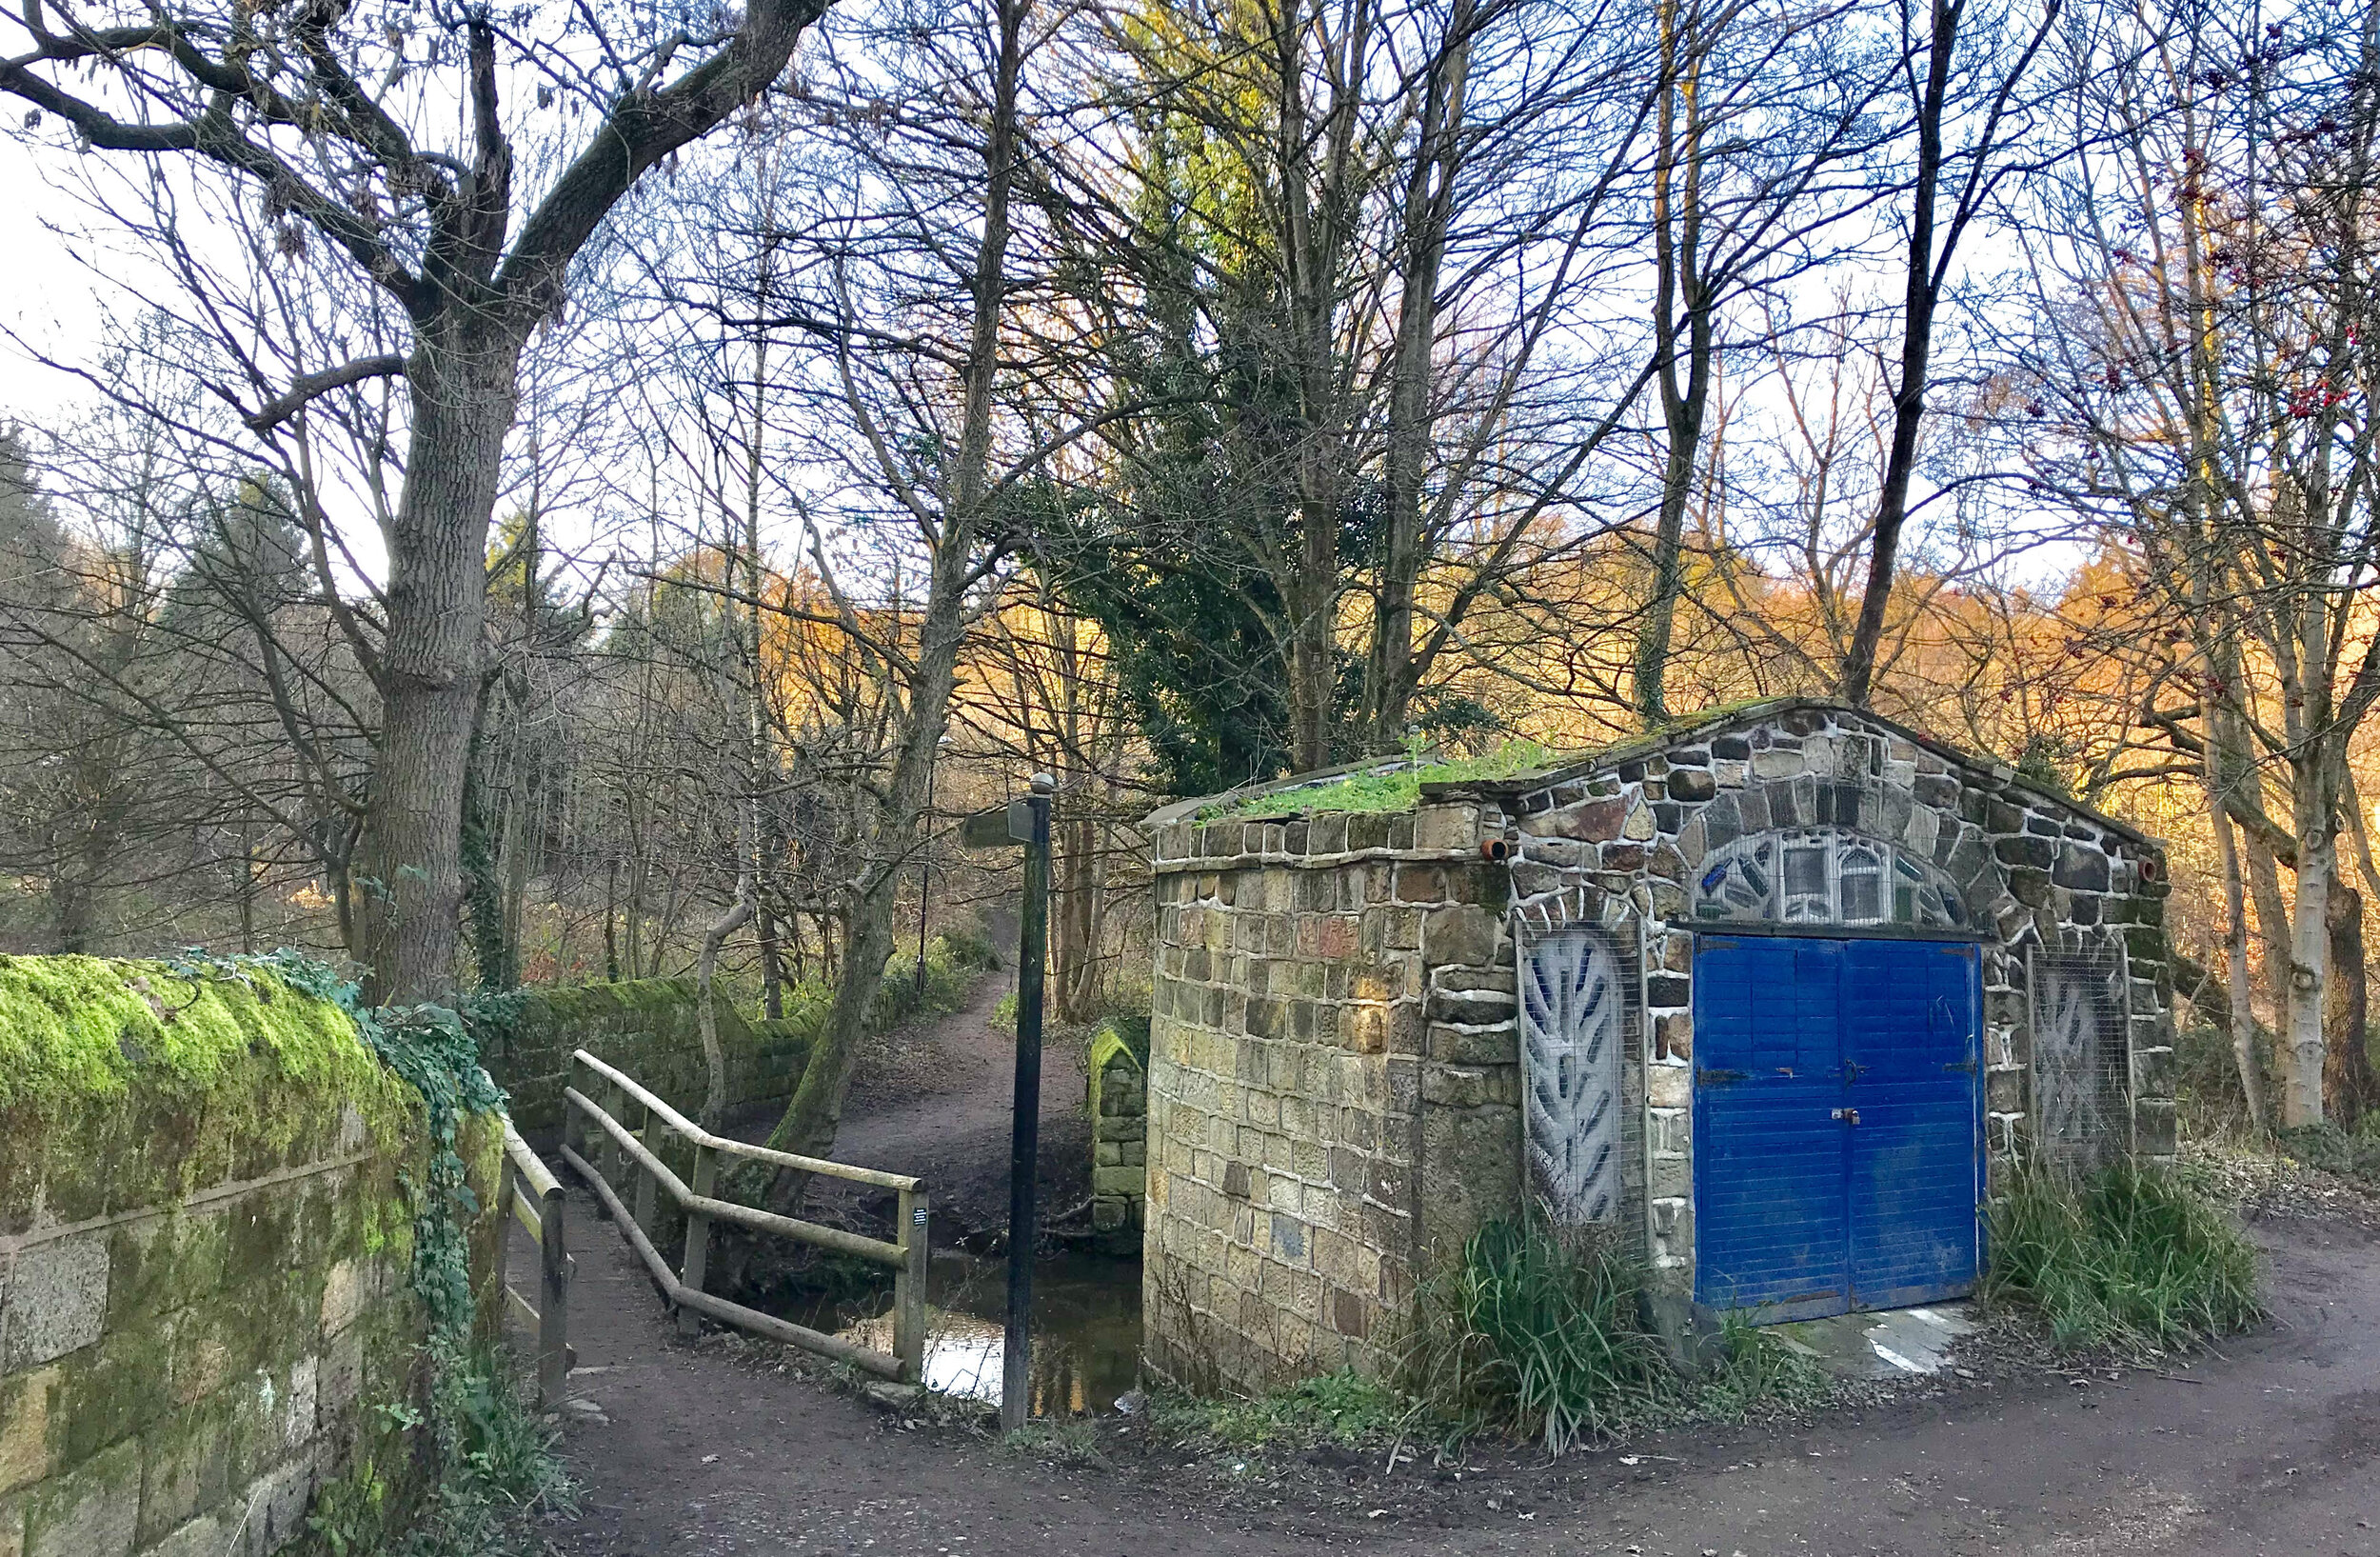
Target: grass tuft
1345 1407
1525 1336
2131 1257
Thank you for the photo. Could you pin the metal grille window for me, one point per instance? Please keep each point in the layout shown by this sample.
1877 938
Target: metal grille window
1575 1022
1824 877
2081 1055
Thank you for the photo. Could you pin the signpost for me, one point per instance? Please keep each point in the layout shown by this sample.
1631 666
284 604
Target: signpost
1024 822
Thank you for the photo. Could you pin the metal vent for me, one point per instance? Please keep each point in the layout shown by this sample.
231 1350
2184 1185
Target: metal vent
1575 1022
2081 1055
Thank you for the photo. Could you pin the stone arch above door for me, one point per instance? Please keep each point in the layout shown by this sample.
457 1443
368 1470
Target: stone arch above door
1824 875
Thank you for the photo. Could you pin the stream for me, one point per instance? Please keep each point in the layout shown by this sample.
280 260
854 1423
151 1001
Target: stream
1086 1329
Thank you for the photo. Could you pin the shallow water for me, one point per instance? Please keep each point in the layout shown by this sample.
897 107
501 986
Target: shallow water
1086 1329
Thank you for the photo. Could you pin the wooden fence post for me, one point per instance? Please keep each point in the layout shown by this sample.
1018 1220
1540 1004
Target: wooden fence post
553 1304
649 1132
613 1164
507 1185
909 1286
698 1239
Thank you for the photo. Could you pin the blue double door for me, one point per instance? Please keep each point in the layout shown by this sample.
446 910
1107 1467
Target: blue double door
1837 1123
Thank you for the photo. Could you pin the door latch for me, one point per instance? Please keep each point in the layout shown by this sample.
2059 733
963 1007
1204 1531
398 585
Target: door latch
1849 1116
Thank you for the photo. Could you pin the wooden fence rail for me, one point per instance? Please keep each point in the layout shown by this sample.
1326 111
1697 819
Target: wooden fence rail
529 1193
617 1150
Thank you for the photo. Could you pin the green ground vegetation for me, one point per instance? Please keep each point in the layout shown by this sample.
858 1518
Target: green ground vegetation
2355 1154
2134 1257
1530 1335
1538 1337
1393 790
1343 1407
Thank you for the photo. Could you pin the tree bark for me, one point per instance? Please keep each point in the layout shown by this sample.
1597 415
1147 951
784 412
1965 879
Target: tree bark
2347 1057
1920 295
2239 1015
410 868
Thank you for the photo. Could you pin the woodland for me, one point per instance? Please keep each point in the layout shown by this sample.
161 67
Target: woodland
573 493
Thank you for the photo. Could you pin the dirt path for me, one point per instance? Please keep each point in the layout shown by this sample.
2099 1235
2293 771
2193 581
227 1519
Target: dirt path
932 1099
2273 1447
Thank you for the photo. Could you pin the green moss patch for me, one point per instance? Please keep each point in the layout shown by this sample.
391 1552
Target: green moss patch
78 1029
1387 788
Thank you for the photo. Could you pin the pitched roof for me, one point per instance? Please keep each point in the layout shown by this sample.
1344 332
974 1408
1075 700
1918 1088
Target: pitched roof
1688 731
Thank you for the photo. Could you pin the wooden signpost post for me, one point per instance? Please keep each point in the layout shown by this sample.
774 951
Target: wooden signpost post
1024 822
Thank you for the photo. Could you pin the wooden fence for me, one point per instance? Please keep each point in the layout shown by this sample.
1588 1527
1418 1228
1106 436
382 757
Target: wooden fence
529 1193
623 1138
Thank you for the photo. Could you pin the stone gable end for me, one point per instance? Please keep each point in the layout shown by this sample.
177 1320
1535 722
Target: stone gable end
1335 1086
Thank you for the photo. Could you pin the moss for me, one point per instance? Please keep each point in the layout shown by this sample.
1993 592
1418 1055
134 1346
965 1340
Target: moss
78 1027
1396 789
126 1084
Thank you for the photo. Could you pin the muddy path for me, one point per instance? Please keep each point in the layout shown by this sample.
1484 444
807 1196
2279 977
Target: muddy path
717 1447
932 1099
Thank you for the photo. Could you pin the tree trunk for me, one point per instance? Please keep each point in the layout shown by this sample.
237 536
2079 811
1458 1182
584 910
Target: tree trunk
2347 1057
2240 1012
2307 973
1429 195
772 969
1919 296
714 1057
409 868
815 1112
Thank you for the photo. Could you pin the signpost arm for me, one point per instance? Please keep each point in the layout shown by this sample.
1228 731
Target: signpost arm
1026 1133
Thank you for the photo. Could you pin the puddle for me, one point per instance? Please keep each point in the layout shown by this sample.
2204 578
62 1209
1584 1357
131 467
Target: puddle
1086 1329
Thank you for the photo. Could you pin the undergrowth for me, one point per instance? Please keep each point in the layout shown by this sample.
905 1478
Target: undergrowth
1345 1407
1525 1336
2131 1257
2355 1154
1529 1336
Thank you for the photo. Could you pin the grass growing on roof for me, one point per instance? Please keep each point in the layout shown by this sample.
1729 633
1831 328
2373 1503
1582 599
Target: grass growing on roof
2131 1256
1396 789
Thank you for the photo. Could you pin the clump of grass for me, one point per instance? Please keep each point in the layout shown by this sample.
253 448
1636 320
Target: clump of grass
1756 1370
1527 1335
1070 1441
1389 790
2131 1257
1532 1334
1345 1407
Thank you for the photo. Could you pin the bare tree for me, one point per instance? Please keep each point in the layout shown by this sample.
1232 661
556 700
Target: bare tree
340 123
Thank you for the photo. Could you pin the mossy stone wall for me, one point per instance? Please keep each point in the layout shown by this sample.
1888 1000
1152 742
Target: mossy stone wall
649 1027
1116 1096
206 1236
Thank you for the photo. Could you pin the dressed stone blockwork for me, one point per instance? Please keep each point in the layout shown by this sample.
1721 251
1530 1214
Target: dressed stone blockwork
1346 1078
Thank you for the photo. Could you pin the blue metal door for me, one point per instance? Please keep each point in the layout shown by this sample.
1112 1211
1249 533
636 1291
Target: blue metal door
1910 1052
1836 1123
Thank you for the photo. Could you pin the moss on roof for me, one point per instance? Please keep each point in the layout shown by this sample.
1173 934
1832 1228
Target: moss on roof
1383 788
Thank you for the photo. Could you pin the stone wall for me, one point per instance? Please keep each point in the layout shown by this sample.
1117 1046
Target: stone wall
204 1243
1334 1081
1116 1096
1620 841
1327 994
649 1027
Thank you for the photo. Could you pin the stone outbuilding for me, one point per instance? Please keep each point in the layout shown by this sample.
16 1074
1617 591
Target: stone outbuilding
1769 998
